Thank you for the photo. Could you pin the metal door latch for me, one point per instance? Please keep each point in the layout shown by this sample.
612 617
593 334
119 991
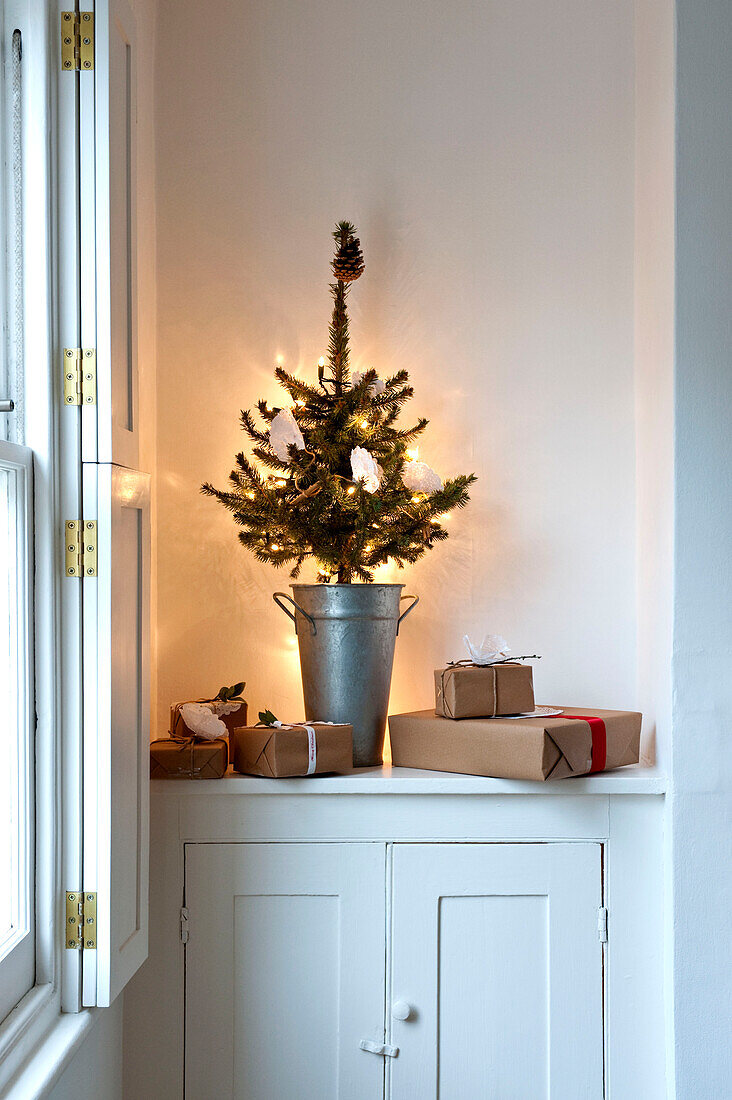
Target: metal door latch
378 1048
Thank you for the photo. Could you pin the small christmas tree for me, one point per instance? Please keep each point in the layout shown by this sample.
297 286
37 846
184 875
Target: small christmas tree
346 487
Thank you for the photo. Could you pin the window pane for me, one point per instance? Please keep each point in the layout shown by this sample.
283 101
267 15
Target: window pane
13 854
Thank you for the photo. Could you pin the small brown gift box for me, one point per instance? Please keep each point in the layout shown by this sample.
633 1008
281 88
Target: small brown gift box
483 691
519 748
188 758
289 750
237 717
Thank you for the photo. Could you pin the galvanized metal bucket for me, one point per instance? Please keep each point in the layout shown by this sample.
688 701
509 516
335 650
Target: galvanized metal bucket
346 635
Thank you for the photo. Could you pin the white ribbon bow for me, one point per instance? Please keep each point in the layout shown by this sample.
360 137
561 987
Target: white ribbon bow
493 648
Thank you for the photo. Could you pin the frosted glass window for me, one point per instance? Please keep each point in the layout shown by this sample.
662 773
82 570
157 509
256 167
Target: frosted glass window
16 775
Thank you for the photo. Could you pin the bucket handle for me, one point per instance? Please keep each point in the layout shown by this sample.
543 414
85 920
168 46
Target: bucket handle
302 611
410 608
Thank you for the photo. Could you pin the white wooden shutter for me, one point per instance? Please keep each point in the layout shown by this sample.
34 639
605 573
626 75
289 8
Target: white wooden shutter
116 616
108 123
115 599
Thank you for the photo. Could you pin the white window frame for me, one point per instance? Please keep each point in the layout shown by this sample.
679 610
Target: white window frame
41 1033
60 299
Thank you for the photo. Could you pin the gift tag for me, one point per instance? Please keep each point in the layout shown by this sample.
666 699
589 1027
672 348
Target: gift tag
537 712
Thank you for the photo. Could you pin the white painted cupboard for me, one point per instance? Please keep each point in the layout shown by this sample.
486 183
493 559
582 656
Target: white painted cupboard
404 935
285 973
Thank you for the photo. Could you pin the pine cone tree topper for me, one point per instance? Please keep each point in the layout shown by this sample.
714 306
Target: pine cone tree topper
348 261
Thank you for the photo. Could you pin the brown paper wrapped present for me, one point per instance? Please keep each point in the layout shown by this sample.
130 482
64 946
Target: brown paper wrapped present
575 742
465 690
232 713
188 758
297 749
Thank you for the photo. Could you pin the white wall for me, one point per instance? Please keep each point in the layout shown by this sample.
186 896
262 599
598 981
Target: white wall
701 805
96 1068
486 152
654 360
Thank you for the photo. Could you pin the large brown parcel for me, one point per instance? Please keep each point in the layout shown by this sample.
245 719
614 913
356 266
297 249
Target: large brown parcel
520 748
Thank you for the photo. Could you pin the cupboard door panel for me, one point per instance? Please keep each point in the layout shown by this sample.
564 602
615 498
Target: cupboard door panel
285 970
495 947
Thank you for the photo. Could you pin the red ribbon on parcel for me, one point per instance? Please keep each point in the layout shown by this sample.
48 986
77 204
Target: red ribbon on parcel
599 739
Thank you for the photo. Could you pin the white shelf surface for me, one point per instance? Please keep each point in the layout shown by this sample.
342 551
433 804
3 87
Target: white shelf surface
388 780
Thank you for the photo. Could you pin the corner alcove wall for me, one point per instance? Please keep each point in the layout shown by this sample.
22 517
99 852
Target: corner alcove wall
489 154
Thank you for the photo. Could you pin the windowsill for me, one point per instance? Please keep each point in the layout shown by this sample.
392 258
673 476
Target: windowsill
387 780
45 1045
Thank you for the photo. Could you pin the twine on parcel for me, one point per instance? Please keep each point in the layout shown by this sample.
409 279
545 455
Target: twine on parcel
312 742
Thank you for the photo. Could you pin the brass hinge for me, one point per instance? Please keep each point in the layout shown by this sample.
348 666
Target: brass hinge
81 921
77 40
81 547
80 376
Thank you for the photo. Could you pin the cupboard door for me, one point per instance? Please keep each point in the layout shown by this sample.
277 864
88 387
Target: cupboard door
285 970
496 951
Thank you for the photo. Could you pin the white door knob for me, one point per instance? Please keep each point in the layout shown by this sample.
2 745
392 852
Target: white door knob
400 1010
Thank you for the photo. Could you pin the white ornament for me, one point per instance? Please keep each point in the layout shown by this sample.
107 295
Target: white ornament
420 478
365 469
377 386
493 648
200 719
284 431
219 707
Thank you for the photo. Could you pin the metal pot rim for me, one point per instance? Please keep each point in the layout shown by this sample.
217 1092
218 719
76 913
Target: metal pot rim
360 584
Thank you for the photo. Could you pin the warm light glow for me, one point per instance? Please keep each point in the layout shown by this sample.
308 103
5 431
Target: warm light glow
444 518
299 403
413 454
279 360
364 424
368 548
274 546
251 496
321 361
415 500
281 483
351 490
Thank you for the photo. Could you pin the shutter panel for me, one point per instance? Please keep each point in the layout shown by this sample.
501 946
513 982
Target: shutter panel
116 618
108 122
